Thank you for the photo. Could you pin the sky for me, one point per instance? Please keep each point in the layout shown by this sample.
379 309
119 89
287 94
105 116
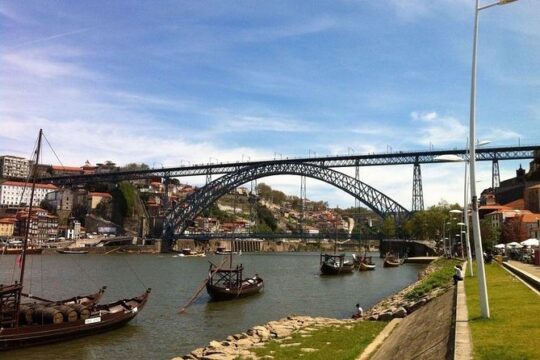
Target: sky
172 83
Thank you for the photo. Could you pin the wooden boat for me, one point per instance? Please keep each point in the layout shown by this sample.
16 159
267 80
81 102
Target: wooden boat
225 251
54 328
228 284
23 324
72 252
335 264
391 261
366 264
187 252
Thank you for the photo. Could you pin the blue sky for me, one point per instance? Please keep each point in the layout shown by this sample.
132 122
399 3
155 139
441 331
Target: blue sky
167 82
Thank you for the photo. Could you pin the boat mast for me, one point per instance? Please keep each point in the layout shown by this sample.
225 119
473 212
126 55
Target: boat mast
27 230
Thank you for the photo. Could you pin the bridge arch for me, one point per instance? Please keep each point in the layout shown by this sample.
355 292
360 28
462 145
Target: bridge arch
177 220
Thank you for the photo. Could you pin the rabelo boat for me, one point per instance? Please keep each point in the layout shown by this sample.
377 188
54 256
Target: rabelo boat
53 321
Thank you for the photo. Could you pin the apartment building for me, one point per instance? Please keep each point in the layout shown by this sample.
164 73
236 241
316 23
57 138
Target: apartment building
15 193
14 167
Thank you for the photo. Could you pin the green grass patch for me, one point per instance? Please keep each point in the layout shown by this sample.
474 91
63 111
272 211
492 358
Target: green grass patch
513 329
441 277
344 342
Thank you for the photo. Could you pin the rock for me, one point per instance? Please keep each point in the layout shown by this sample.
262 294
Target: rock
374 317
244 343
218 357
289 345
197 352
386 316
215 344
308 350
400 313
262 332
281 331
239 336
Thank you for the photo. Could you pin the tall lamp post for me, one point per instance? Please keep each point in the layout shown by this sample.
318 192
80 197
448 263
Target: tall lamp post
484 303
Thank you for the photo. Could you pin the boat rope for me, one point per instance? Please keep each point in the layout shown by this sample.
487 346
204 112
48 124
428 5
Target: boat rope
135 273
52 149
201 287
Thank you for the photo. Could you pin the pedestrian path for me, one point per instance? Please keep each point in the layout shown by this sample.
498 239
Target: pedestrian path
462 340
527 272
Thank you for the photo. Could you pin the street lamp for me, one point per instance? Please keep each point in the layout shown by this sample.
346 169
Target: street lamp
484 303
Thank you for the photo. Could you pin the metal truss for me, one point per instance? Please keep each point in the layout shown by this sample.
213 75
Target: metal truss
418 195
271 236
395 158
183 215
495 177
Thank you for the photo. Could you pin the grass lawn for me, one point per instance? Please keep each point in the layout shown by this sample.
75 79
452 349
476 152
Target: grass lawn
344 342
441 277
513 330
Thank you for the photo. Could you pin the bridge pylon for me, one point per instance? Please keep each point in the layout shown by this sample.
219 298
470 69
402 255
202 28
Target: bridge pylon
495 177
418 194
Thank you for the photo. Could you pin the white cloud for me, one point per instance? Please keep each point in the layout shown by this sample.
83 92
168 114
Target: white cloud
439 130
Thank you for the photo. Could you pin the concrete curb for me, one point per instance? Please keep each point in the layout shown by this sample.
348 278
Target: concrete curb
371 348
462 335
530 279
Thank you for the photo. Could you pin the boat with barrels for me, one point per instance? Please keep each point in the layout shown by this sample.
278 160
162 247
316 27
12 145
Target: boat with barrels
44 321
335 264
229 283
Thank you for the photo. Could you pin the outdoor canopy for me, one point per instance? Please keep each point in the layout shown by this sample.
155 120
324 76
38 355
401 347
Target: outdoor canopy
530 242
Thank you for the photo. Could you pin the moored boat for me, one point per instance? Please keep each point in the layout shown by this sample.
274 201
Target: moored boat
335 264
51 325
7 250
228 284
72 252
391 260
366 264
46 321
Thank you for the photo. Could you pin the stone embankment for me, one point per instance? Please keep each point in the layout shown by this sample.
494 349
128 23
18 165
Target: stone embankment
240 345
398 306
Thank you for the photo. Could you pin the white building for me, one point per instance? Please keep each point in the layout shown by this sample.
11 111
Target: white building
14 167
14 193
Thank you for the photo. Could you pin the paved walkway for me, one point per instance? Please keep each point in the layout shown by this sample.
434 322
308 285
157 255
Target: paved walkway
533 270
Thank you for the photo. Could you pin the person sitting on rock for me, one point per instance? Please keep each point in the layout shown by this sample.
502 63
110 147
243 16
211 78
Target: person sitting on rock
359 312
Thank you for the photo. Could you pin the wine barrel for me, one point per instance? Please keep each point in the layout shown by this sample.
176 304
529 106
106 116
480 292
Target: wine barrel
83 311
68 313
25 314
47 315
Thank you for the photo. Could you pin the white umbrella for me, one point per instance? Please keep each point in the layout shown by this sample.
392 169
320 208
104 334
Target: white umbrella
531 242
515 244
500 246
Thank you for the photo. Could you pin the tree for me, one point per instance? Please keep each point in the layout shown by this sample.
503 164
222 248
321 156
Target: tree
488 233
389 228
133 166
513 230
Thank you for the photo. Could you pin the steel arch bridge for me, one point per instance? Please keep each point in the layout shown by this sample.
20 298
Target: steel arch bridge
179 218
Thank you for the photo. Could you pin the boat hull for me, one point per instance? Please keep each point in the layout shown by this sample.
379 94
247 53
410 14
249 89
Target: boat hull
221 293
32 335
389 263
329 269
72 252
366 267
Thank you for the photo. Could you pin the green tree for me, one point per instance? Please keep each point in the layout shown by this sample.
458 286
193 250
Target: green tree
389 228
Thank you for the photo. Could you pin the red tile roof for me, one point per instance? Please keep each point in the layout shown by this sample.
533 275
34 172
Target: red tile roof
66 168
29 185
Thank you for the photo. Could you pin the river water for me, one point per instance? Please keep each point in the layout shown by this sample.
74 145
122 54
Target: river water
292 286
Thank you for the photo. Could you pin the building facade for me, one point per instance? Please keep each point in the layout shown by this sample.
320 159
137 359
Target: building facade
14 167
14 193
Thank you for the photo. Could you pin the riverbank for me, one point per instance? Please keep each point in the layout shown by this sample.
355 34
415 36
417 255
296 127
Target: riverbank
296 331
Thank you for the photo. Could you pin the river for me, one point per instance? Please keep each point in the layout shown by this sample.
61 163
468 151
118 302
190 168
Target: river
292 286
